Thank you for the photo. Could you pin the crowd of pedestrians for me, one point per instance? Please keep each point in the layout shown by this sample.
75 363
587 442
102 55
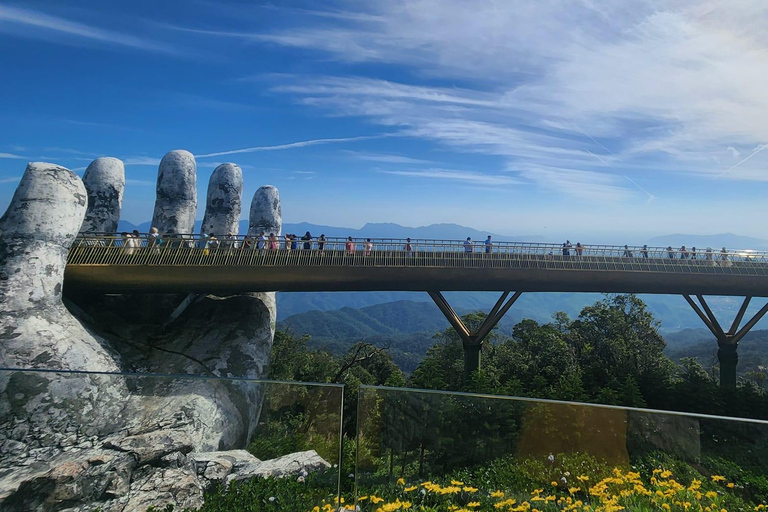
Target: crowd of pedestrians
132 242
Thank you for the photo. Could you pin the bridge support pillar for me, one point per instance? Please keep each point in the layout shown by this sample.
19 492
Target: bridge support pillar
472 356
727 341
473 341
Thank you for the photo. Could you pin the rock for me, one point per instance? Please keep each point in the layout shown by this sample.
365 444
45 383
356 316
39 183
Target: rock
152 446
222 209
176 201
159 487
288 465
77 477
265 214
104 180
214 467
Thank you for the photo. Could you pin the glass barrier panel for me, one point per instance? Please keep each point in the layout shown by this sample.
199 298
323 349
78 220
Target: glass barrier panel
457 451
104 441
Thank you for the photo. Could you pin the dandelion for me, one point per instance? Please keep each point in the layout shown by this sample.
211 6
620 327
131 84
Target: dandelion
718 478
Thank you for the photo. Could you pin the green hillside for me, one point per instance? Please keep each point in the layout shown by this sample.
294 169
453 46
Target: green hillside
407 328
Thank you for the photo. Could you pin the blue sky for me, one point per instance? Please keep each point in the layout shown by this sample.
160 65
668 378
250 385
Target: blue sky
584 118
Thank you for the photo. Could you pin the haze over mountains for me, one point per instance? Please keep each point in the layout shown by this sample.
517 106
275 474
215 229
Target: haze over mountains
458 232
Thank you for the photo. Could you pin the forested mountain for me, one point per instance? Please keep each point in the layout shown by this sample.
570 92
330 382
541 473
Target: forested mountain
408 327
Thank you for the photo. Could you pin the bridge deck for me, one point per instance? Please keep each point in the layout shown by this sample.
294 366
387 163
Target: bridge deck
108 265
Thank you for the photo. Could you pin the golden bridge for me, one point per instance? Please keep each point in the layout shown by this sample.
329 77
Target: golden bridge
195 264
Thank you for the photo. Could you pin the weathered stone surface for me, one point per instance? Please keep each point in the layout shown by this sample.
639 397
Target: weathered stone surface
77 477
104 180
224 203
265 214
152 446
176 201
35 233
214 467
159 487
288 465
82 441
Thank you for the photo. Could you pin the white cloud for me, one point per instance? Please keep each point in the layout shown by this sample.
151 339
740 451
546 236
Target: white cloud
673 82
453 175
292 145
41 25
141 160
12 179
11 155
386 158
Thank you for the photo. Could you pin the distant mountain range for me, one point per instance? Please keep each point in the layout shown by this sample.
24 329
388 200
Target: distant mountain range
371 230
458 232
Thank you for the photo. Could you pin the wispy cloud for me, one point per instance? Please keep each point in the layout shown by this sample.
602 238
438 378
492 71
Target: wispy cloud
37 24
294 145
11 155
141 160
12 179
386 158
673 85
454 175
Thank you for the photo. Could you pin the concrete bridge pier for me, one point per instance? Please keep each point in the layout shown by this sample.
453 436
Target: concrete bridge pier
727 341
473 341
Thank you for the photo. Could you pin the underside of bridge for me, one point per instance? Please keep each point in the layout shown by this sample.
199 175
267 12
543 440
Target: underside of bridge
727 341
473 341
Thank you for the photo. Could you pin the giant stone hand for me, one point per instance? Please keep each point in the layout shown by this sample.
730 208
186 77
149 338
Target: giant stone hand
120 434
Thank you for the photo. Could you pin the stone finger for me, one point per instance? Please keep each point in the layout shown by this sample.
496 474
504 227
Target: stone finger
104 180
36 231
176 202
224 201
265 215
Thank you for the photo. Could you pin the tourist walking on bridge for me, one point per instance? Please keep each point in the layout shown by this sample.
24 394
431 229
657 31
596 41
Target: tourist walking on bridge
683 253
488 245
368 246
261 243
671 252
468 245
408 247
627 252
321 242
307 241
567 248
644 251
350 246
579 249
273 242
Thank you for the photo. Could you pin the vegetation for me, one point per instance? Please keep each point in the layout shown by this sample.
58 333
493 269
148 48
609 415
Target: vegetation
514 455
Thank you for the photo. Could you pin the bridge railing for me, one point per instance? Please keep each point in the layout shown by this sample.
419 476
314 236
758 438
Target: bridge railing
197 250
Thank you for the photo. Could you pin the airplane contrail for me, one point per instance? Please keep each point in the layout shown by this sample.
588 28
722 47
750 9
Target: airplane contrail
651 197
300 144
594 155
754 152
591 137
